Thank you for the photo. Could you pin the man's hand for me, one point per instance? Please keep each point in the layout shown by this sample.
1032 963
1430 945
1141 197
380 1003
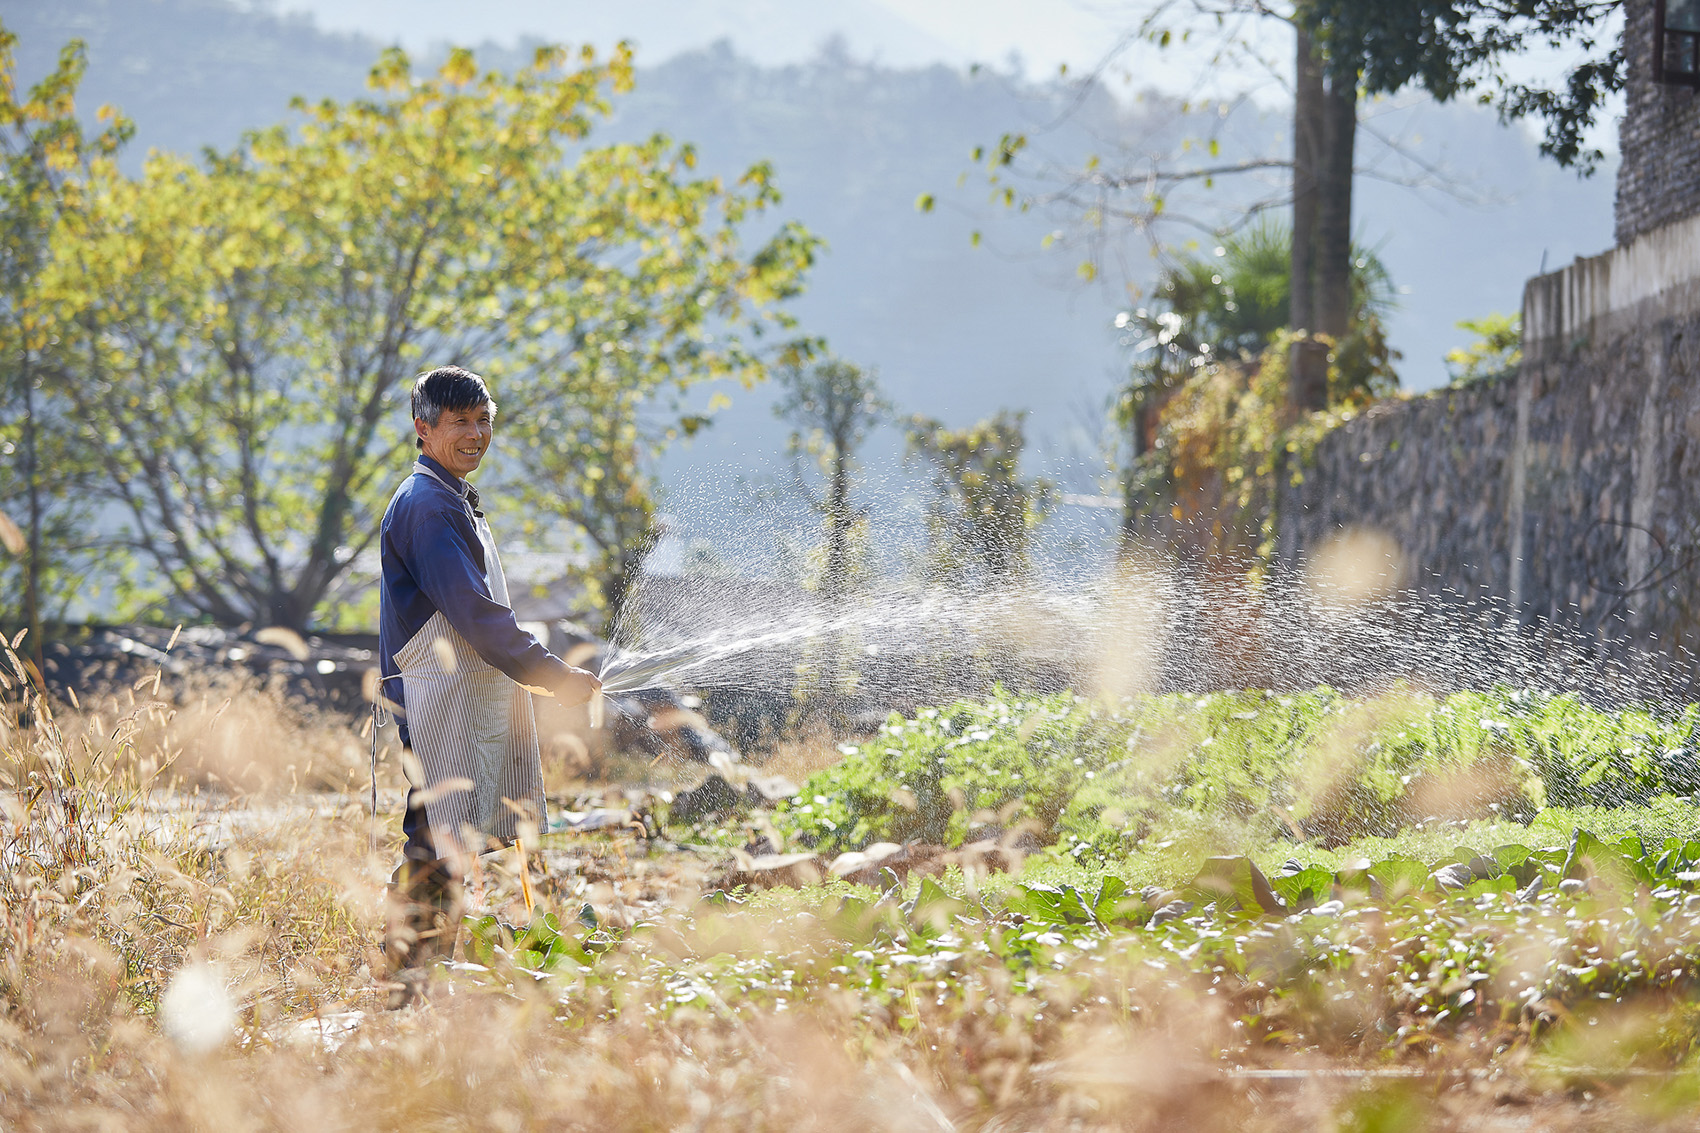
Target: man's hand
579 687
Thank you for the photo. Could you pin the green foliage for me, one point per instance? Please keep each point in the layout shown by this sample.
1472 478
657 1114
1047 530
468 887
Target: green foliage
1208 401
1218 442
1231 305
1099 782
245 329
46 468
948 773
547 946
1455 47
983 510
1496 352
1225 305
1514 941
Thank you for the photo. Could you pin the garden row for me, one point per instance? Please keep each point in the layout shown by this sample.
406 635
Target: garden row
1100 782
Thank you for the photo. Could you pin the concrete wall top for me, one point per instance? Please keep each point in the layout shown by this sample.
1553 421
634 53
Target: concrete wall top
1656 275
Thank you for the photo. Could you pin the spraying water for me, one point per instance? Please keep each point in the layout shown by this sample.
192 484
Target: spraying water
1128 631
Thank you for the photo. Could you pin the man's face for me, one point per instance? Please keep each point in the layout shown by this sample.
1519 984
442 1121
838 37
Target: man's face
458 440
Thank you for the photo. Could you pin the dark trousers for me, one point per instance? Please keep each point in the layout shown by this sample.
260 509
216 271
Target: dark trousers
420 847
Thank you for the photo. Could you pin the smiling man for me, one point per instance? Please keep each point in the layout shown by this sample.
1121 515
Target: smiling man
459 673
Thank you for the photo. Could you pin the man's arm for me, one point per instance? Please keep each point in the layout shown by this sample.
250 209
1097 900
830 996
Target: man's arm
445 557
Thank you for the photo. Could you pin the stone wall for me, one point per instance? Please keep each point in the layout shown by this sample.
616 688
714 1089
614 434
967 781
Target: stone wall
1433 472
1569 490
1659 178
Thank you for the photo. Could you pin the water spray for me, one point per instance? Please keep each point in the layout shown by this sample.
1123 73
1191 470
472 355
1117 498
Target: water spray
1167 630
631 671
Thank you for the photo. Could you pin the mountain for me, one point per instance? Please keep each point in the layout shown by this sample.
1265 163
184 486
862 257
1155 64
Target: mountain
766 31
191 73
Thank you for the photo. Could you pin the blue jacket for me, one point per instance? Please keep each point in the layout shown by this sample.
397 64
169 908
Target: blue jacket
431 559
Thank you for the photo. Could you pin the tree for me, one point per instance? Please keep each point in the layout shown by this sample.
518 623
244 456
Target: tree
1207 406
585 464
1229 303
1451 48
832 405
44 158
1140 197
1228 307
1325 128
249 326
984 510
1496 352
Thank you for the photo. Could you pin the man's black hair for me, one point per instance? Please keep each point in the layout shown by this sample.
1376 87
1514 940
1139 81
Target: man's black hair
448 387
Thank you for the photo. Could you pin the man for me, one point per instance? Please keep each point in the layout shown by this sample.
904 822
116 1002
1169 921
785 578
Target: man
459 673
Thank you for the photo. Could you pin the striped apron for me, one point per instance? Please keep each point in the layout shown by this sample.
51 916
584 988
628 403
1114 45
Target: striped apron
472 729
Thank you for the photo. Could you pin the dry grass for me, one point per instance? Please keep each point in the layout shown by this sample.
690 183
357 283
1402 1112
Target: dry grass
108 898
797 757
223 732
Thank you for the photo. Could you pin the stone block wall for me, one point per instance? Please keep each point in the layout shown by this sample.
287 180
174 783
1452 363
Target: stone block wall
1432 471
1659 178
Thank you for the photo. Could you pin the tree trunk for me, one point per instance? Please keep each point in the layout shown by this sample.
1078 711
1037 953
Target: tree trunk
1334 198
1308 364
1131 500
837 578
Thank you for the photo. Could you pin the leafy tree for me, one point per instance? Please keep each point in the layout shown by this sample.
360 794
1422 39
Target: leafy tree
1234 300
984 510
585 464
249 326
1229 307
44 159
1446 47
833 405
1496 352
1459 47
1206 406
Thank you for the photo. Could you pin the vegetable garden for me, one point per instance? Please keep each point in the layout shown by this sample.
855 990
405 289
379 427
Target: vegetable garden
1241 908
